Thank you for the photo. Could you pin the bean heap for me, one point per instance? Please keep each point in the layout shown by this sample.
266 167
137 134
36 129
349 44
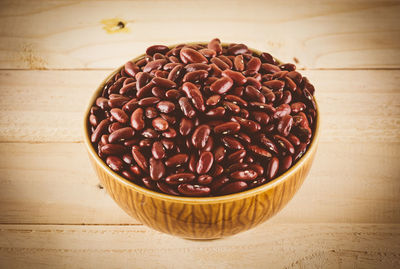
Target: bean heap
203 119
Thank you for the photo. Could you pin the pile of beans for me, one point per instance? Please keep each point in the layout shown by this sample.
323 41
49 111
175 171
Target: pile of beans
203 119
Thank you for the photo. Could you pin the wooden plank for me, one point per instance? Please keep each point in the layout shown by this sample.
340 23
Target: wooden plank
54 183
328 34
355 105
270 245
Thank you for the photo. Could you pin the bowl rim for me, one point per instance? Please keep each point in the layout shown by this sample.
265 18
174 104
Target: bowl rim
193 200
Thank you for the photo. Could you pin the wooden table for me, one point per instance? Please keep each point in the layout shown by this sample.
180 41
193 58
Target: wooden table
54 213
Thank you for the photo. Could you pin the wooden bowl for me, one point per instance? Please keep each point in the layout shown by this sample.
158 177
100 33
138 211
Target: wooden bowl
207 217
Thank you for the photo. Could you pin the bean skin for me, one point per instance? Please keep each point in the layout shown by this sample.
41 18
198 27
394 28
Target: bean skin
177 160
139 158
205 162
166 188
137 121
222 85
158 150
200 136
233 187
237 77
245 175
180 178
189 55
121 135
227 128
157 169
272 168
99 131
115 163
113 149
193 190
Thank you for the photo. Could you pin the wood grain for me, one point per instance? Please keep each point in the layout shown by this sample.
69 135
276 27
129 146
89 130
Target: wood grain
274 246
329 34
355 106
55 183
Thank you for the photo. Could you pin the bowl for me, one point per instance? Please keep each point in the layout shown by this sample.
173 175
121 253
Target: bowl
206 217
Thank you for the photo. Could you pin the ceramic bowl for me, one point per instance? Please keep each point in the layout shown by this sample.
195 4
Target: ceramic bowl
200 218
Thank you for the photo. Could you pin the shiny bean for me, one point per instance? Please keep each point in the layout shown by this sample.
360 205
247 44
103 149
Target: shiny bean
193 190
177 160
157 169
233 187
205 162
200 136
222 85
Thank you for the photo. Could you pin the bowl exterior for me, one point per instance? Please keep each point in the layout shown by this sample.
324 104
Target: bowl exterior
205 220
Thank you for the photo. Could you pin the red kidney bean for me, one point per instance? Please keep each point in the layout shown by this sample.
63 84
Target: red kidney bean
220 64
119 115
231 107
236 77
169 133
166 188
194 93
285 163
180 178
115 126
93 120
121 135
227 128
148 101
137 121
112 149
253 94
222 85
150 112
293 139
245 175
99 131
157 169
186 107
239 63
256 168
177 160
193 190
231 143
272 167
115 163
213 100
244 137
200 136
211 112
233 187
299 151
156 49
189 55
236 156
270 68
139 158
236 100
217 112
205 162
131 69
254 64
164 82
284 125
156 64
195 76
238 49
204 179
268 143
215 45
158 150
160 124
117 102
284 144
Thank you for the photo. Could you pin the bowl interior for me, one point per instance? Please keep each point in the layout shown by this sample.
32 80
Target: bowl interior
192 200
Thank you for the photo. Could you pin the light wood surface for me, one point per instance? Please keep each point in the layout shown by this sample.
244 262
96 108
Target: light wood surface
53 54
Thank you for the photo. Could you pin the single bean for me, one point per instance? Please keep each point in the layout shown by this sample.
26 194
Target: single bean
193 190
